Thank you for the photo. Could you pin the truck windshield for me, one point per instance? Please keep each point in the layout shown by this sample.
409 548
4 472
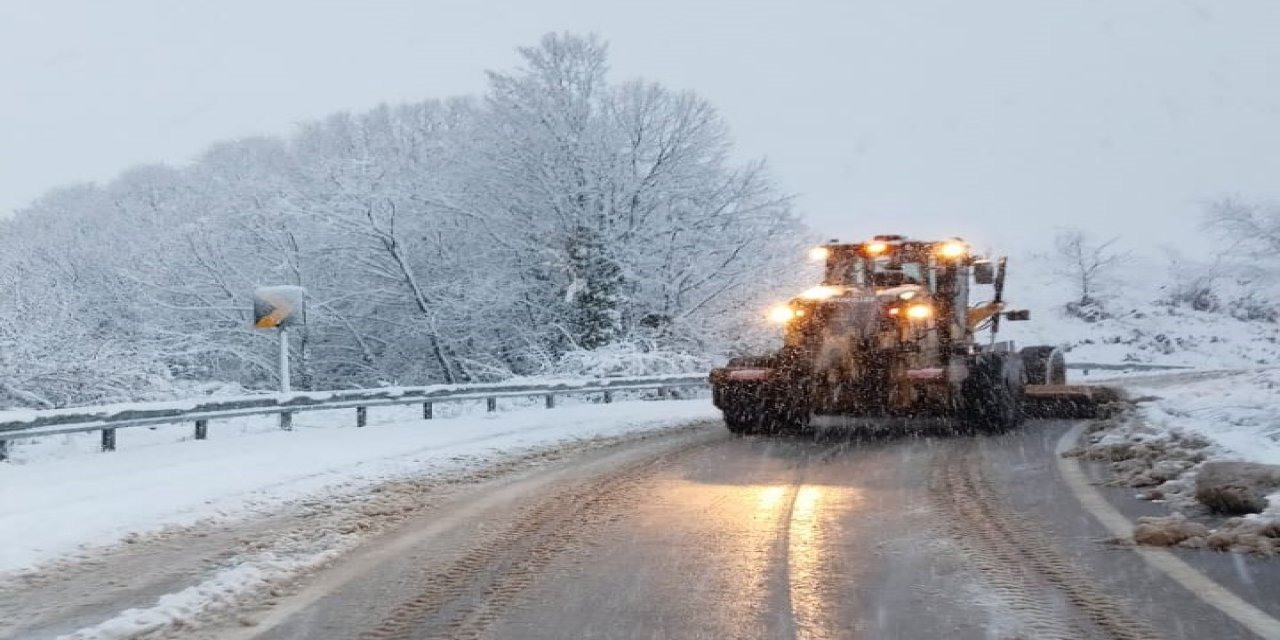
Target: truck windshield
856 270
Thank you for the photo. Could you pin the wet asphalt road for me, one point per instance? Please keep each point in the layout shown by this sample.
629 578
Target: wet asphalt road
705 535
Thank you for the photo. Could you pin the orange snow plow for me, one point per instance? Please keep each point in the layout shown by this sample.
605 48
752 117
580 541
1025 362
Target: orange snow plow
891 332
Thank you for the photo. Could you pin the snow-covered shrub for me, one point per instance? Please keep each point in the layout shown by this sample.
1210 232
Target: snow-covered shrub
627 359
1252 307
1091 311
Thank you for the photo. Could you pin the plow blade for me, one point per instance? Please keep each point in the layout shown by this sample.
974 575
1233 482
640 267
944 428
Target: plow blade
1070 401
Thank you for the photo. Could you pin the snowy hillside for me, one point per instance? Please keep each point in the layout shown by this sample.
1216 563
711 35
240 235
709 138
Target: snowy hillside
1143 323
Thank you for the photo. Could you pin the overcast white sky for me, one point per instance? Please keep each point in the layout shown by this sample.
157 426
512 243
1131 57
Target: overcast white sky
998 120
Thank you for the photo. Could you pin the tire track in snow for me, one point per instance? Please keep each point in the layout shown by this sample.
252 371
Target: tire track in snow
1020 562
463 600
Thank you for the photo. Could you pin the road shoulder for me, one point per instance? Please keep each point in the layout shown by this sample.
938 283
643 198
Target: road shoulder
1016 460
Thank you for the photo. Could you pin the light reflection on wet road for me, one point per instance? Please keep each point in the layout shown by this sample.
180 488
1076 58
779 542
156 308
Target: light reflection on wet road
723 537
807 555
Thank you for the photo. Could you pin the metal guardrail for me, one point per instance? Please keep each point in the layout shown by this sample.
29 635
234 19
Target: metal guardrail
1127 366
23 424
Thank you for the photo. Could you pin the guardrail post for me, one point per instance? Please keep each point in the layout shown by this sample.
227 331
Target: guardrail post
286 421
362 416
608 397
108 439
4 450
202 429
491 404
551 401
427 412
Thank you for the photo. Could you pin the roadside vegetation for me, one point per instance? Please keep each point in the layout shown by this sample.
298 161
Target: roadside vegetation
467 239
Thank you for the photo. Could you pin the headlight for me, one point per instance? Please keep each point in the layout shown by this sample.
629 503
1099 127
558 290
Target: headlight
953 250
781 314
819 254
919 312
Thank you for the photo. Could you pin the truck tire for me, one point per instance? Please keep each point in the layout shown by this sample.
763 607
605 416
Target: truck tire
786 421
752 416
741 407
1044 365
992 394
739 423
748 417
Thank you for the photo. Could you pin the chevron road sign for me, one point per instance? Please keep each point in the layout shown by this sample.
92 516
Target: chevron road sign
276 307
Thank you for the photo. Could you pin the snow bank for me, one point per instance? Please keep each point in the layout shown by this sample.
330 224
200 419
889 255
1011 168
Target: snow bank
1207 443
60 495
1238 411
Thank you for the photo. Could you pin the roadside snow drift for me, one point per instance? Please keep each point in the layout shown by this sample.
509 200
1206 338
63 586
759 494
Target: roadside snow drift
60 495
1208 443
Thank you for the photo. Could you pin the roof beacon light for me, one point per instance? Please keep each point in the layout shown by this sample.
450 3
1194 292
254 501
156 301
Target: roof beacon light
875 248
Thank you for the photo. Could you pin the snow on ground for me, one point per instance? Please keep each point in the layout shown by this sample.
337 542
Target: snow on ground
1142 325
60 495
1237 411
1182 425
1152 334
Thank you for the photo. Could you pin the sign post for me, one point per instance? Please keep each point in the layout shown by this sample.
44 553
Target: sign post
280 308
285 387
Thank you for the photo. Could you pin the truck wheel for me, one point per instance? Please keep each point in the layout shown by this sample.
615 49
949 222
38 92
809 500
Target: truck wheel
992 395
741 422
786 421
1044 365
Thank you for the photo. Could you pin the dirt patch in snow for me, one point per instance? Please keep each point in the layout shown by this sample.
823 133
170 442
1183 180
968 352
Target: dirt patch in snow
1169 531
1236 488
1240 535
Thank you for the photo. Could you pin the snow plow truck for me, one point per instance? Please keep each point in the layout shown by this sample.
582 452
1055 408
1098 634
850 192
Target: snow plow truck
890 335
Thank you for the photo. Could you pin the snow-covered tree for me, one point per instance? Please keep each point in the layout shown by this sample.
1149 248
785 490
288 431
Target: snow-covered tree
1247 266
1250 227
558 216
1090 265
